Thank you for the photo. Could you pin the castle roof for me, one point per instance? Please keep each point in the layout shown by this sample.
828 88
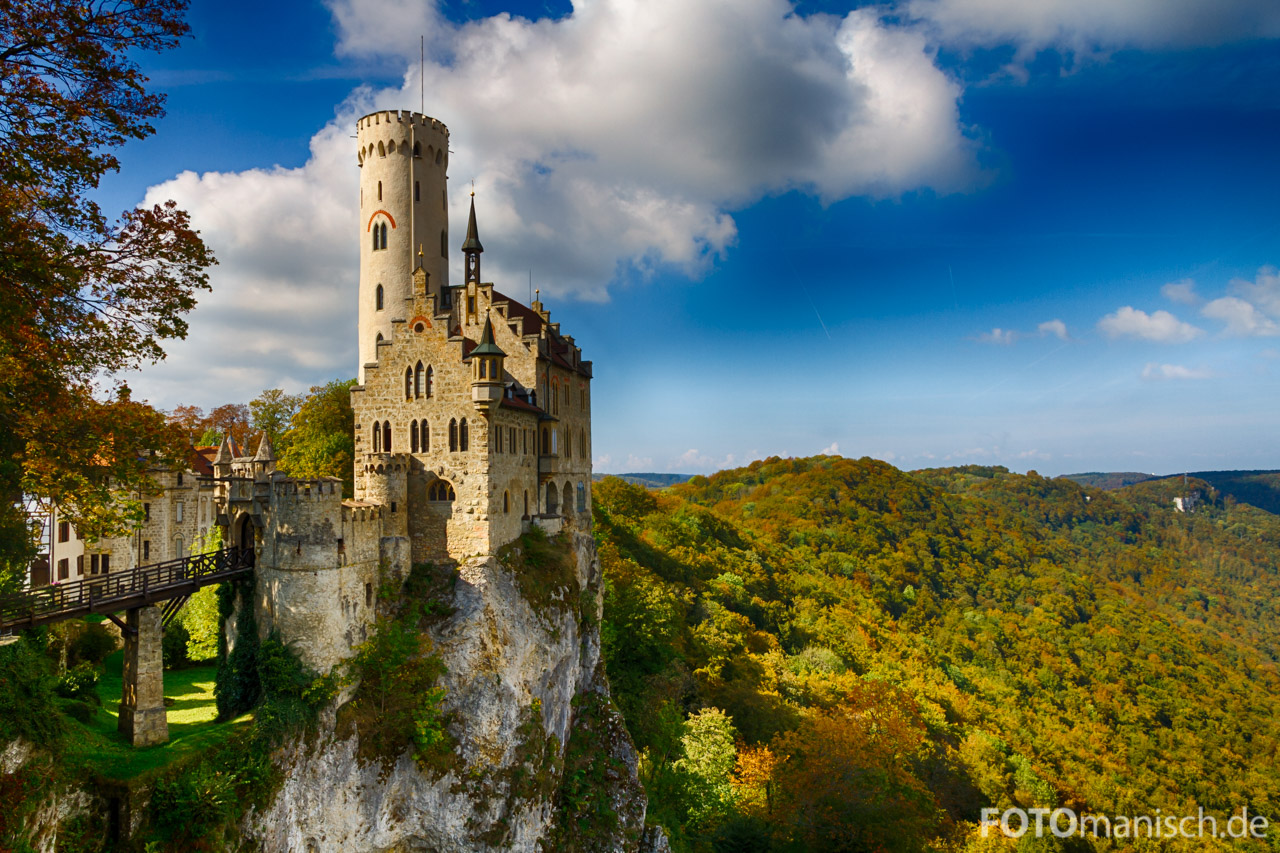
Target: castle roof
225 454
486 345
472 243
265 452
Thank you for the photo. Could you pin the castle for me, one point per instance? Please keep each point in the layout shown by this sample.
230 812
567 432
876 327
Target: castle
472 424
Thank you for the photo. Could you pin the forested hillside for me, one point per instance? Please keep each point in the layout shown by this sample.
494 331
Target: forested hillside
829 654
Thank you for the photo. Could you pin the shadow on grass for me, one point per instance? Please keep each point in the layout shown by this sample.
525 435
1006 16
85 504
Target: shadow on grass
101 750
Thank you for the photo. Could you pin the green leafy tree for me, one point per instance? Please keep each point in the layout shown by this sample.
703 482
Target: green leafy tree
82 297
271 413
200 615
708 762
321 437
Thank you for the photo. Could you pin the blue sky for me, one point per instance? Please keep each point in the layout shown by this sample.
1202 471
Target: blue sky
934 232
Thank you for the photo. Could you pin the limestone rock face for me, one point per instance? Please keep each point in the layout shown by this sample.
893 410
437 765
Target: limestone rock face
525 691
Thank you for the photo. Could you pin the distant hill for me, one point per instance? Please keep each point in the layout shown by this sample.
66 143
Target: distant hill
649 481
1259 488
1107 480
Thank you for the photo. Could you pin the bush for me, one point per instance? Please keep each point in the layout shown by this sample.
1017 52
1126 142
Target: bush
192 805
173 646
80 682
27 706
82 712
92 645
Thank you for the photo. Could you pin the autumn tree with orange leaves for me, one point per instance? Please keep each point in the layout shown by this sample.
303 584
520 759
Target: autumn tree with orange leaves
82 296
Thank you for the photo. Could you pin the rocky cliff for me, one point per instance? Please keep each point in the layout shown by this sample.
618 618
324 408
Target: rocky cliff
540 758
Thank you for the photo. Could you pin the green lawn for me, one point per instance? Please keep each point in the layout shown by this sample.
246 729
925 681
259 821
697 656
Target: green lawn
100 749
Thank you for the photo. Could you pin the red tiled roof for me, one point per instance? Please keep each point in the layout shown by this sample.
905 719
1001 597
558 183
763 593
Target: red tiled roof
517 403
202 459
532 319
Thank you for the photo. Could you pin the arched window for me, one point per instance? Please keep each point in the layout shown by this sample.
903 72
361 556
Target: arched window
417 380
582 496
427 392
408 382
440 490
426 437
462 435
386 436
413 436
453 434
417 149
377 341
377 438
444 244
375 238
553 499
377 298
506 502
382 152
439 154
566 508
383 228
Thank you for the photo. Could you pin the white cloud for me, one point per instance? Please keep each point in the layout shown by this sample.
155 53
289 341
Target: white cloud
833 449
1242 319
1182 291
1002 337
1160 326
604 145
1054 328
1263 292
638 464
1087 26
1161 372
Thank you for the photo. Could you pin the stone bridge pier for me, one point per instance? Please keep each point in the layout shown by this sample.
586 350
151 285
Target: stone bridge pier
142 715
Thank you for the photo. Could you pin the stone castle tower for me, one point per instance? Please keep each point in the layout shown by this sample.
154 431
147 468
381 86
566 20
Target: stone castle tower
404 208
473 411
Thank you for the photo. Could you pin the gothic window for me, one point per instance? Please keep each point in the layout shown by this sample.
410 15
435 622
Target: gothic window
553 499
417 149
453 434
413 436
382 152
375 238
427 392
417 380
582 496
439 154
462 435
440 490
377 298
408 382
567 506
426 437
383 228
386 436
377 438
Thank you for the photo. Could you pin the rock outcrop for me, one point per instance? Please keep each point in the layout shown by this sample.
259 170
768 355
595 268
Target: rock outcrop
525 697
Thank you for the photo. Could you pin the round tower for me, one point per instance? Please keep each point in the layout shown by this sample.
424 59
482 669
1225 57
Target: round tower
404 202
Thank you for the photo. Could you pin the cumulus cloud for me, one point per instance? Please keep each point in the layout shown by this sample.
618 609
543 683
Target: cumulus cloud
1160 326
1263 292
1002 337
1053 328
1162 372
1242 319
1182 291
833 449
604 145
1087 26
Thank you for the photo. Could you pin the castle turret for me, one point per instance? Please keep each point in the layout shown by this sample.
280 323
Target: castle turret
471 247
486 370
404 157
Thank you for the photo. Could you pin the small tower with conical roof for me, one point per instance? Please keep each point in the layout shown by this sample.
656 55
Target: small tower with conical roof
486 370
471 248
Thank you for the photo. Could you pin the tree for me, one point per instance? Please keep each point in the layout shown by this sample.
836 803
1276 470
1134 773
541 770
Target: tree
271 413
231 419
82 297
321 437
192 419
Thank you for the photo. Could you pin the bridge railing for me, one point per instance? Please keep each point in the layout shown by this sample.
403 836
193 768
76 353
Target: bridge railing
141 585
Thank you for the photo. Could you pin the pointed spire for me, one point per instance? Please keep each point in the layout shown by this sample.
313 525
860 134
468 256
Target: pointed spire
265 452
472 243
223 456
487 345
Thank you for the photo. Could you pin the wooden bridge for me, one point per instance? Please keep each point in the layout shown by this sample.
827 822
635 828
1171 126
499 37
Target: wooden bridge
171 582
137 593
